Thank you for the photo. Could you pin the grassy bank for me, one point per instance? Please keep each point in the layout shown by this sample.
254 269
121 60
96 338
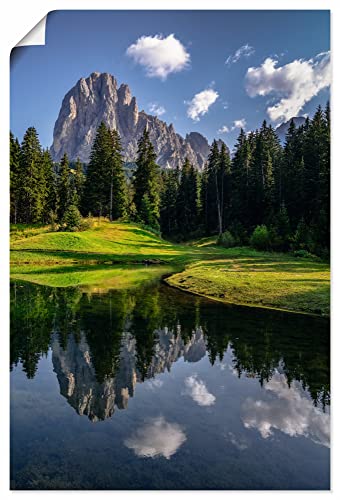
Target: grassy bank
262 280
236 275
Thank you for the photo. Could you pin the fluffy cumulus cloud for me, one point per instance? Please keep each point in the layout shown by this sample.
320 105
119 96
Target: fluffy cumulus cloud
244 51
157 438
159 55
291 411
223 130
198 391
239 124
200 103
156 109
292 85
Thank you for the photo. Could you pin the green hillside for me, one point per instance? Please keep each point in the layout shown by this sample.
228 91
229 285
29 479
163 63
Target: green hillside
108 254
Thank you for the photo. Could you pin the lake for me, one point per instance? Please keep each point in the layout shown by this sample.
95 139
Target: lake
152 388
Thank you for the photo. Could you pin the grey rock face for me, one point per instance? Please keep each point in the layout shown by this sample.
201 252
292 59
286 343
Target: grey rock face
98 98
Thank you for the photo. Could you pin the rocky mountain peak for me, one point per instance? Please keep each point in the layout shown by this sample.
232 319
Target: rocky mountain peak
124 94
98 98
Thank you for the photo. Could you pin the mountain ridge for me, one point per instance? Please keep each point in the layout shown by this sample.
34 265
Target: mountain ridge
98 98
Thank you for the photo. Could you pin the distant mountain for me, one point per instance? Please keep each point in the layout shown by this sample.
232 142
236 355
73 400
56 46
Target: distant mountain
98 98
282 129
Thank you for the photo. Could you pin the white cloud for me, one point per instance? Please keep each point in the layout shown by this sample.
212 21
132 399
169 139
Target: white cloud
293 85
291 412
244 51
197 390
239 443
239 124
223 130
156 438
154 383
200 103
159 55
156 109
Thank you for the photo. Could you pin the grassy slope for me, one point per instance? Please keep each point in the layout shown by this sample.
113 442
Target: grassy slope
118 242
264 280
238 275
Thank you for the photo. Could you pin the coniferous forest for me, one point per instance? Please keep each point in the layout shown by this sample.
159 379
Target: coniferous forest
268 195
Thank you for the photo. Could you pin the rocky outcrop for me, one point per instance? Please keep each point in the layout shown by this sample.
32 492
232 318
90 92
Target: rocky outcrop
98 98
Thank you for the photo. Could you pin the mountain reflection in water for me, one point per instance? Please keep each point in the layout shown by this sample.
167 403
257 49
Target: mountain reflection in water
211 396
104 344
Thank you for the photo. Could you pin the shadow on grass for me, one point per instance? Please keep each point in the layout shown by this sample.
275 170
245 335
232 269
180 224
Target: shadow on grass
87 268
87 256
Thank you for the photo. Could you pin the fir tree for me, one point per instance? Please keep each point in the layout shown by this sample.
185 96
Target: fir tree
187 199
168 202
51 200
97 186
118 190
146 181
64 187
240 179
15 179
77 183
33 184
226 187
105 191
213 193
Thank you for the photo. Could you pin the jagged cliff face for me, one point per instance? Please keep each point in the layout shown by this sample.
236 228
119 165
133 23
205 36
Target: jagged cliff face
77 377
98 98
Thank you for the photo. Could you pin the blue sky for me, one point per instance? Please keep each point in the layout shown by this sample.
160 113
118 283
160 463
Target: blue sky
286 51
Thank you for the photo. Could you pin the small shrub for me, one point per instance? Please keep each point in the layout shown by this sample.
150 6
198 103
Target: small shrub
72 219
226 240
302 254
302 239
261 238
239 233
86 223
53 220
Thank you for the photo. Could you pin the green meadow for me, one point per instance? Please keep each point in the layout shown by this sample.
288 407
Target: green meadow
118 255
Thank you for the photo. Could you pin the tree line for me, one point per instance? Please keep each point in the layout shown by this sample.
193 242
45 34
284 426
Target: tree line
269 195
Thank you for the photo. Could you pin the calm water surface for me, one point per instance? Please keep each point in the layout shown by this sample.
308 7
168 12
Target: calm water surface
152 388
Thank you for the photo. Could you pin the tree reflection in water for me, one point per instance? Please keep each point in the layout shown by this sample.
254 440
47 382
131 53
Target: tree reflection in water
103 344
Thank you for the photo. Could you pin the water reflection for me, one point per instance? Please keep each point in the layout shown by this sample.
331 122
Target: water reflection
104 344
156 438
212 397
290 411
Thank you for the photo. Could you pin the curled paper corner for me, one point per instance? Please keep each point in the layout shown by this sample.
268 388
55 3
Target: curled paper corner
36 36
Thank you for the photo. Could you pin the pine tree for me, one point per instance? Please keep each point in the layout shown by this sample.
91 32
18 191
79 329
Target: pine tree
168 202
187 199
50 205
33 186
224 174
96 197
241 180
293 173
64 187
15 179
118 190
213 194
77 183
146 181
105 192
